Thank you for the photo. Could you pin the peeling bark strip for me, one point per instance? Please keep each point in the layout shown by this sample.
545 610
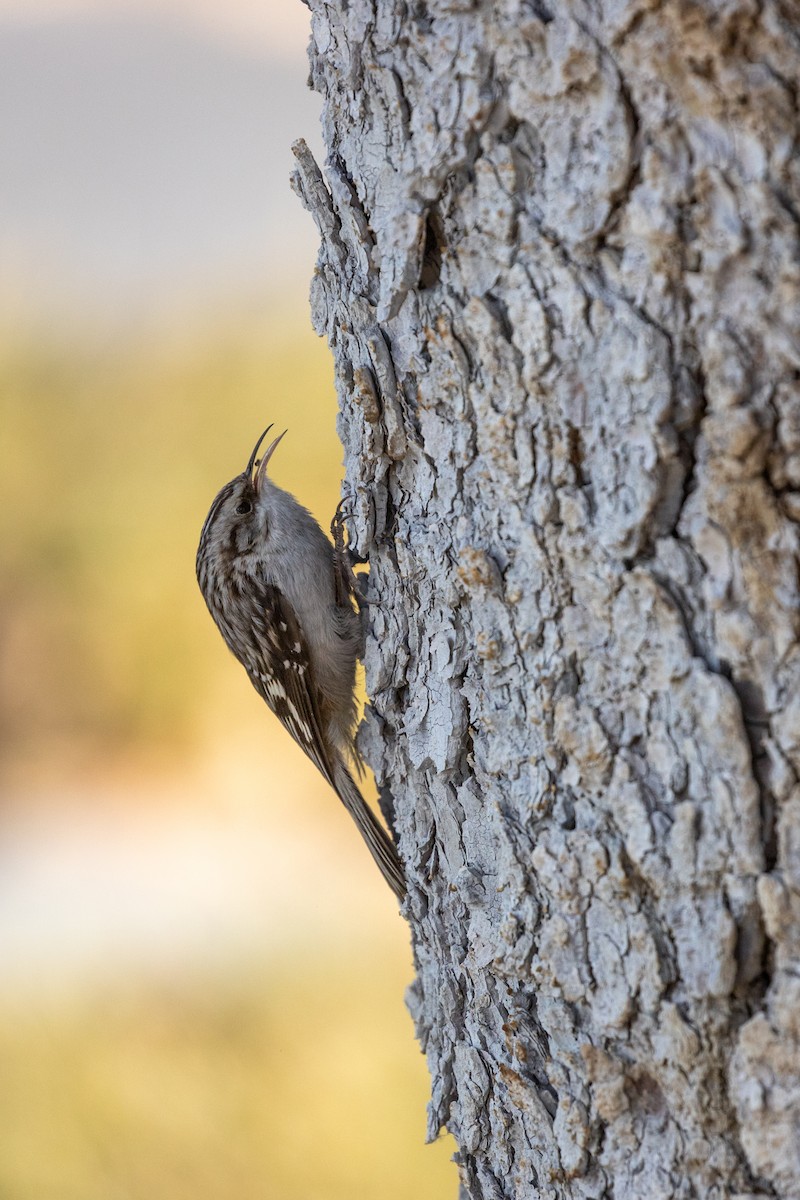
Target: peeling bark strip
560 270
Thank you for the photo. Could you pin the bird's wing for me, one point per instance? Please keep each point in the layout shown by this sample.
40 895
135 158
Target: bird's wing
282 675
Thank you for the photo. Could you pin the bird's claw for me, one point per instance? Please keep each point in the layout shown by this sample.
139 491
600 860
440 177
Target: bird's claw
348 584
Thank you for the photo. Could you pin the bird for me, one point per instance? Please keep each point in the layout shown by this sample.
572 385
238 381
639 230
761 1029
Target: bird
281 595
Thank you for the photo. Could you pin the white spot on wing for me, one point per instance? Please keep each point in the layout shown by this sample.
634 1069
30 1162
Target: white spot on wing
275 689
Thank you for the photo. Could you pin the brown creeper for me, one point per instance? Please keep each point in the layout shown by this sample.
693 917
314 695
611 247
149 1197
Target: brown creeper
274 585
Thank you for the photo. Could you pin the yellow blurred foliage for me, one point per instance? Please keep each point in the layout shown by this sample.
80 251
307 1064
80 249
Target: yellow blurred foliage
297 1082
109 461
289 1086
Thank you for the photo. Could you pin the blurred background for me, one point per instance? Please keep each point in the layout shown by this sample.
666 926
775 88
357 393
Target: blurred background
201 972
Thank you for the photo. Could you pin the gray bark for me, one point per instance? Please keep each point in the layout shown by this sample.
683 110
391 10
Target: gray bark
559 272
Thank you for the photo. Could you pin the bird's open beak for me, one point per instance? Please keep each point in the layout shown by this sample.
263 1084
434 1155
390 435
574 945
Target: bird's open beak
261 473
251 464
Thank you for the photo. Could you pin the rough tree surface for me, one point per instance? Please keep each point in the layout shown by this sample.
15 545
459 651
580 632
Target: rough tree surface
559 272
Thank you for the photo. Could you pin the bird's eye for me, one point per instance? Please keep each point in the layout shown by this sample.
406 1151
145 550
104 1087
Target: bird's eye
243 508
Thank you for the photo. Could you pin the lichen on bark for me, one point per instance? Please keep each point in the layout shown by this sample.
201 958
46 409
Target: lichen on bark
560 276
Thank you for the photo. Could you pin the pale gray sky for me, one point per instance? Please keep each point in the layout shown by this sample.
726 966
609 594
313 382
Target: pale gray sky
279 25
145 153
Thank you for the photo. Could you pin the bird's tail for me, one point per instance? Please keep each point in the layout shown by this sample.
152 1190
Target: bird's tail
381 847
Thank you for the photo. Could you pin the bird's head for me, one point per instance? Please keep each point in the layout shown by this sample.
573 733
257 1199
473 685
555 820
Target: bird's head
237 520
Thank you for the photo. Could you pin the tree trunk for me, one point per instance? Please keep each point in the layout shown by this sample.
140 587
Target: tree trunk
559 272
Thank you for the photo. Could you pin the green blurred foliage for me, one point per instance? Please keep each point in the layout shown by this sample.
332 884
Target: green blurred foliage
109 460
287 1087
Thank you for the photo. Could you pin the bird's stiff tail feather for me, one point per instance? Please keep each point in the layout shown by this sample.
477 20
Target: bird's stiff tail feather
380 844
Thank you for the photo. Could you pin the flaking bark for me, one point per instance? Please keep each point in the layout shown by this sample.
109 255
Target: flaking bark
559 272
